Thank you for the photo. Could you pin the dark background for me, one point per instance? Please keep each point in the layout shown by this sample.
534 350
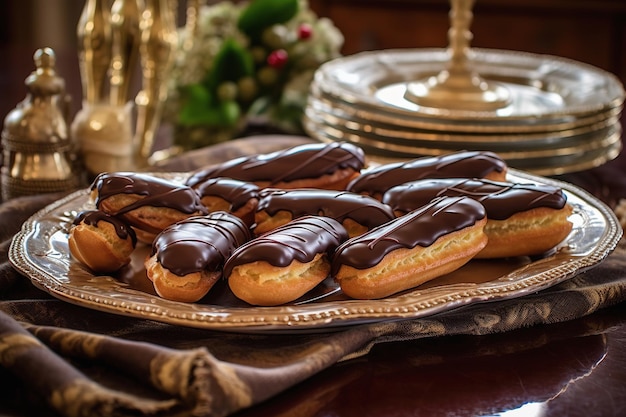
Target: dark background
590 31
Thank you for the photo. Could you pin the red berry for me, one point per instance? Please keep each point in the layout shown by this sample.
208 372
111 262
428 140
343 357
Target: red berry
278 58
305 31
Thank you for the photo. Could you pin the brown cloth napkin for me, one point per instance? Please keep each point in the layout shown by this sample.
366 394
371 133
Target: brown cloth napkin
80 362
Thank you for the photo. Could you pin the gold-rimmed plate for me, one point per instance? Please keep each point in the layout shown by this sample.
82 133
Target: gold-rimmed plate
40 252
545 89
578 154
413 143
326 103
324 114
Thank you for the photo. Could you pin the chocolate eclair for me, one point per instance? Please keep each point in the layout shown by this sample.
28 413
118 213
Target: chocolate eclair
101 242
523 219
285 263
148 203
315 165
357 213
187 257
226 194
426 243
465 164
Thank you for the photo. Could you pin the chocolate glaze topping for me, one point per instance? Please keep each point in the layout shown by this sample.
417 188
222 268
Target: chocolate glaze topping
236 192
339 205
93 217
420 227
300 239
304 161
466 164
157 192
501 199
199 243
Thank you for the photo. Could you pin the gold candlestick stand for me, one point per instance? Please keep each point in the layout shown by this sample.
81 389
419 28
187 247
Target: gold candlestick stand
158 40
112 43
458 86
125 39
94 40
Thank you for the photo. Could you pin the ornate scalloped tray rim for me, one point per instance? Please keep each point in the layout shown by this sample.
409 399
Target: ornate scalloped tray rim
110 295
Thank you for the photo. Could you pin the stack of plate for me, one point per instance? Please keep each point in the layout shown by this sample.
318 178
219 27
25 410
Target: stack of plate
563 115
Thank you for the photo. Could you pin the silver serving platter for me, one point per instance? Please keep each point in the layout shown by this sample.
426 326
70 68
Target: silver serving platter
545 89
40 251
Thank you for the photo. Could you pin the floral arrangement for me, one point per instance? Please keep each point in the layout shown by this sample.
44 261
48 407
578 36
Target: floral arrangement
246 61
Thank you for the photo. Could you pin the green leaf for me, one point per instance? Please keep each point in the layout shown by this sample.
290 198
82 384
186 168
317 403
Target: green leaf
230 112
231 63
260 106
196 101
261 14
201 108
